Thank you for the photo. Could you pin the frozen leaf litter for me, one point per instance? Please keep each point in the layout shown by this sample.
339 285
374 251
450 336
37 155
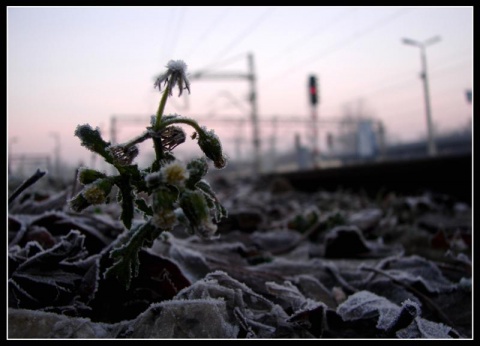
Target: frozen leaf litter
239 281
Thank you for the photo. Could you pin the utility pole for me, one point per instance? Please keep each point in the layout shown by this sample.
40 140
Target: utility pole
9 160
254 116
56 137
432 148
313 96
113 129
251 77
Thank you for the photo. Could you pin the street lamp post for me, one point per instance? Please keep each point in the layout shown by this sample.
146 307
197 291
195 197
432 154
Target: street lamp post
432 149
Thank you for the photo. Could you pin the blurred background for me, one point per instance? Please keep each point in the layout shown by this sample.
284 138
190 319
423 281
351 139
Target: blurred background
286 88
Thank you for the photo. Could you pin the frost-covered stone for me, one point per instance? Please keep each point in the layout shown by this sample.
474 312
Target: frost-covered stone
197 318
30 324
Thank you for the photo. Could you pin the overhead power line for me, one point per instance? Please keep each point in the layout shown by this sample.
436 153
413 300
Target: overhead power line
176 32
305 39
172 30
409 81
166 38
217 65
343 43
204 36
245 33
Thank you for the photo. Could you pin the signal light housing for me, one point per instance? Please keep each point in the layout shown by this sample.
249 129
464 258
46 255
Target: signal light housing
312 90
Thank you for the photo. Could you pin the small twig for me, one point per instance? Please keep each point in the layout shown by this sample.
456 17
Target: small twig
27 183
75 183
243 322
345 285
461 267
381 265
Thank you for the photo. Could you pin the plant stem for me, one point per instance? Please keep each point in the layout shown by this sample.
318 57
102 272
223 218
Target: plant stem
186 121
159 126
137 140
157 144
157 141
161 108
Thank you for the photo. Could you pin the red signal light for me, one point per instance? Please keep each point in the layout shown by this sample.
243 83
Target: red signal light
312 83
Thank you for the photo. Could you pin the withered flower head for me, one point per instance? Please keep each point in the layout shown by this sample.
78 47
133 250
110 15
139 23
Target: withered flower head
176 74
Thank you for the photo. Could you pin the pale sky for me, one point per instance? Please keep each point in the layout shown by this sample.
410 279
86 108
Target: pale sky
74 65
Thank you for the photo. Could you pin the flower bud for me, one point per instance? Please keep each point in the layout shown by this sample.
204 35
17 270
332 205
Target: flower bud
91 139
211 146
78 203
197 169
163 201
97 192
88 175
164 219
164 198
195 208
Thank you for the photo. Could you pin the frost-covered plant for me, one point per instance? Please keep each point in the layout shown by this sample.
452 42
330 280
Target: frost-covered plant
178 192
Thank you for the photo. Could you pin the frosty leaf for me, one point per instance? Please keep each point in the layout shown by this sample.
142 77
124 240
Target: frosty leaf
18 255
126 262
419 272
17 296
128 207
365 304
95 232
260 315
142 206
404 322
366 219
48 277
41 276
311 318
159 279
291 299
70 248
424 329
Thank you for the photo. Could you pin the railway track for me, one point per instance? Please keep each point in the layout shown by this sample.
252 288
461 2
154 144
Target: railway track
451 175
